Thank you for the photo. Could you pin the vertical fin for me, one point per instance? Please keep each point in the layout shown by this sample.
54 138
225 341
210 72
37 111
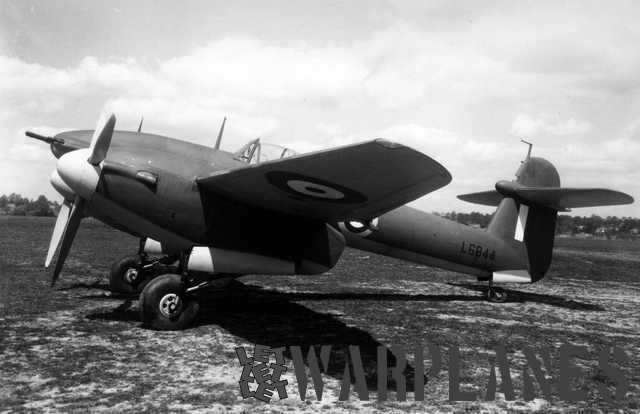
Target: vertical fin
217 146
531 224
503 223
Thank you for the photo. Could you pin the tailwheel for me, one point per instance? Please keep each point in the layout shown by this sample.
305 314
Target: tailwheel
128 275
496 295
166 306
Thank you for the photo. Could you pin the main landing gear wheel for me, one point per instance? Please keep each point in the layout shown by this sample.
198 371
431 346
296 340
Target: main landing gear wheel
165 306
127 275
496 295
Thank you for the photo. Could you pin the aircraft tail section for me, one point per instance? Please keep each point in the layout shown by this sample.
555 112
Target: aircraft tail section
532 225
527 212
525 221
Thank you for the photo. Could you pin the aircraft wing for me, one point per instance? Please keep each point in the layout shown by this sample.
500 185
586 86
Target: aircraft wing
359 181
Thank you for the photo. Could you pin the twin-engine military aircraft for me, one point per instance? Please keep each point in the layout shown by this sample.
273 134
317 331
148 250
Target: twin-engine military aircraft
209 215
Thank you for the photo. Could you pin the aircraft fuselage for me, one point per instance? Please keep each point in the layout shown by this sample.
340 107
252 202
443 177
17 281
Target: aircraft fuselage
174 209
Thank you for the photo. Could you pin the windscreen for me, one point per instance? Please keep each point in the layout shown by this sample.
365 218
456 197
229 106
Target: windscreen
256 152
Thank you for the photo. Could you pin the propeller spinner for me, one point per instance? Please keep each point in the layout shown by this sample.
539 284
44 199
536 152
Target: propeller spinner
77 173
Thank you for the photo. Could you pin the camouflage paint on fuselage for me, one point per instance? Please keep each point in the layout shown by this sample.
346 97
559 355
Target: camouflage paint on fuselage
175 202
164 153
177 205
411 234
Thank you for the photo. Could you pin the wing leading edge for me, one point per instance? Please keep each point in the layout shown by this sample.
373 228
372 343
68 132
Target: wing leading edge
359 181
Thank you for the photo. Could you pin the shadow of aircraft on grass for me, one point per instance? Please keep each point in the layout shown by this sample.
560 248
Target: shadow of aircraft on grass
95 285
516 296
273 318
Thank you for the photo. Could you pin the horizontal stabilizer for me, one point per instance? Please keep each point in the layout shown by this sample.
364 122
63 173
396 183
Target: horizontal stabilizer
574 197
486 198
557 198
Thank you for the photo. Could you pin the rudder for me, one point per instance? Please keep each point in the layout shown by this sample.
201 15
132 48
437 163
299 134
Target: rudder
529 223
528 209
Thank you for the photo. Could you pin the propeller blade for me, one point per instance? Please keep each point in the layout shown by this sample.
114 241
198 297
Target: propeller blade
69 234
101 140
58 230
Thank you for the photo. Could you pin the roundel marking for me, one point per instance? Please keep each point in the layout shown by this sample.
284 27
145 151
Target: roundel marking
312 188
315 190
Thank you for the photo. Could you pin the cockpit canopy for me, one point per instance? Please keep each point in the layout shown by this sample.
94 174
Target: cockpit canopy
256 152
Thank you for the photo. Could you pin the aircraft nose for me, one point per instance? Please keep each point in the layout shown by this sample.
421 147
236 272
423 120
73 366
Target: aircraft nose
77 173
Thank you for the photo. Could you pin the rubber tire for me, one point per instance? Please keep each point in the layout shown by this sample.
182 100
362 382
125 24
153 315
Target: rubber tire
497 295
150 297
118 284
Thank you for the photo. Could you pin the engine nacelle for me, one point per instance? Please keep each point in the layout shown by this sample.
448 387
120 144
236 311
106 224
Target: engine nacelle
214 260
316 252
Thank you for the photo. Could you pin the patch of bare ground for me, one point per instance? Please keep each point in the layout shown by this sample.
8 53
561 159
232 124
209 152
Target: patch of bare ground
76 346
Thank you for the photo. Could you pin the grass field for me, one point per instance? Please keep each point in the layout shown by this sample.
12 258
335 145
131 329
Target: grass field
76 346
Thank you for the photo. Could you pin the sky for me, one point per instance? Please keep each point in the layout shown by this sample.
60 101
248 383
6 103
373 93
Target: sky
461 81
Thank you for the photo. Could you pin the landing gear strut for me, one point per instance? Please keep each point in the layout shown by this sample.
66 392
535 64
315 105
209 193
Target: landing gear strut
170 301
131 273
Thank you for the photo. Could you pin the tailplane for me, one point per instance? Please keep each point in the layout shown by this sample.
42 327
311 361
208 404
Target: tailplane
559 199
527 212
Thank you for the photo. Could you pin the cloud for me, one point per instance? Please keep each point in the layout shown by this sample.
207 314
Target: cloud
610 161
29 152
454 81
182 113
246 66
410 65
239 77
527 125
331 129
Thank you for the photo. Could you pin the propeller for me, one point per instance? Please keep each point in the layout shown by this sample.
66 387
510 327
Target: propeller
79 171
58 230
71 224
101 140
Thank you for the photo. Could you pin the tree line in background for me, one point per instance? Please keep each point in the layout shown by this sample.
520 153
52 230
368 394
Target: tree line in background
609 227
596 226
16 205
